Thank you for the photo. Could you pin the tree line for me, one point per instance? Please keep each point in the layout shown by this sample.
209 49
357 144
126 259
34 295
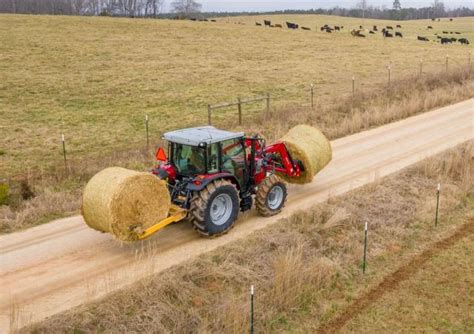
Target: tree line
182 9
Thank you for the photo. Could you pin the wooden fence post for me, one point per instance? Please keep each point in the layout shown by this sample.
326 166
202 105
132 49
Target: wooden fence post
63 140
421 67
209 111
268 103
353 88
251 309
239 109
447 63
389 67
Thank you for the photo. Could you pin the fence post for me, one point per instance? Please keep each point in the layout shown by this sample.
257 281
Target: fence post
209 111
421 67
437 204
364 263
268 103
353 88
312 96
147 135
251 309
63 140
239 110
447 62
389 67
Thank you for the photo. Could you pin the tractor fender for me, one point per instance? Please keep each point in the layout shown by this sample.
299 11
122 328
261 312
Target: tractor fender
200 182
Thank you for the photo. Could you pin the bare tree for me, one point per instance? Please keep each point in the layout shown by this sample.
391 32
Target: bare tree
438 8
397 5
185 8
362 4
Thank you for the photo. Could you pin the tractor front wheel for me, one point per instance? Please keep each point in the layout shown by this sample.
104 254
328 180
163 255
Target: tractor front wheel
214 209
271 196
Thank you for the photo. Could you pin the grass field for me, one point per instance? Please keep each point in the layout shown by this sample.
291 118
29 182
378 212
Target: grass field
94 79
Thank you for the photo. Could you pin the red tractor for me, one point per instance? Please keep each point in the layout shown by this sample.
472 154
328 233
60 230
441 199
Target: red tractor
213 174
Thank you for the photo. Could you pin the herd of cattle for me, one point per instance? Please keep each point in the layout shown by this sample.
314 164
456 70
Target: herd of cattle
387 31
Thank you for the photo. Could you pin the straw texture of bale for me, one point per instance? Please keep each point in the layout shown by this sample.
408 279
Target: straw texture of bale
310 145
124 202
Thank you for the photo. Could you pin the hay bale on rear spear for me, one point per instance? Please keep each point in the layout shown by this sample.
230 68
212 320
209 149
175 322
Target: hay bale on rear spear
124 202
309 145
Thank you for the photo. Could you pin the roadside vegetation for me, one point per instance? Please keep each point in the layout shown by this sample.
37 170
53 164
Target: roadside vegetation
307 269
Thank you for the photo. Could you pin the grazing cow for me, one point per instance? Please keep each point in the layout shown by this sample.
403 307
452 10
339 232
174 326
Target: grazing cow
384 30
445 40
278 26
433 19
445 32
453 39
357 33
258 24
291 25
399 26
457 33
398 34
429 27
422 38
328 30
213 21
387 34
451 20
375 28
337 28
451 32
267 23
389 27
342 27
463 41
371 32
439 37
305 28
193 19
361 27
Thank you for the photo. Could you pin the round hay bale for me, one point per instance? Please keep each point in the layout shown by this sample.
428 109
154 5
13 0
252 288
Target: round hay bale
124 202
308 144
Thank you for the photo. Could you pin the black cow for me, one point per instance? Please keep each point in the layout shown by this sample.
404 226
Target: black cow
399 26
463 41
422 38
445 32
291 25
387 34
361 27
267 23
390 27
213 21
375 28
453 39
398 34
305 28
258 24
445 40
439 37
451 20
337 28
429 27
278 26
371 32
457 33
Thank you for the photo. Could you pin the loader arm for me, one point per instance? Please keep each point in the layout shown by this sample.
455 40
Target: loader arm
279 159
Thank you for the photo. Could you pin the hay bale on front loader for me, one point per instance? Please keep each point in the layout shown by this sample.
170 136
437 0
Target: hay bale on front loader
124 202
309 145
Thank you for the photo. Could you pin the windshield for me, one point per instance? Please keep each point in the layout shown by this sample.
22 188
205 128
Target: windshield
188 160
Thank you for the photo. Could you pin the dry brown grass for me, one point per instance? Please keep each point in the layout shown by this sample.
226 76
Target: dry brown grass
306 269
336 118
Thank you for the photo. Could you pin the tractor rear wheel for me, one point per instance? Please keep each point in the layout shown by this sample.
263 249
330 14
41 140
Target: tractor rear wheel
215 208
271 196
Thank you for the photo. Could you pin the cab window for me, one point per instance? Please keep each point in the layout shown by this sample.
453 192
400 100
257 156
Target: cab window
233 158
188 160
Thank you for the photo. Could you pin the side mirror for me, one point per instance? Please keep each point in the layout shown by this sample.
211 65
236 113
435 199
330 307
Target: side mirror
161 155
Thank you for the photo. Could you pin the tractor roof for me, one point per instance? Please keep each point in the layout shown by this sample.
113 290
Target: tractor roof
203 134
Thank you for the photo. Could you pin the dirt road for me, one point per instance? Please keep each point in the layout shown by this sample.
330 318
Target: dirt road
53 267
